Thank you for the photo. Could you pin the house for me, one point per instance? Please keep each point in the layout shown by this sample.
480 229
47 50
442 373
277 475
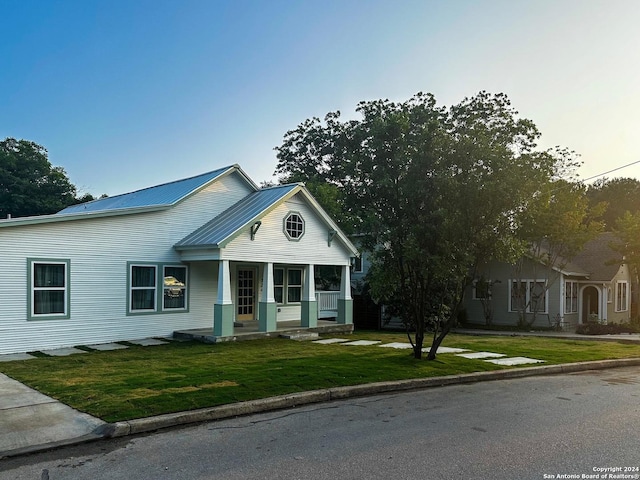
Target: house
590 287
204 252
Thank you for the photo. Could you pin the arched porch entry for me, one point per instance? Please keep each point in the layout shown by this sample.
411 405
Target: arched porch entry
590 303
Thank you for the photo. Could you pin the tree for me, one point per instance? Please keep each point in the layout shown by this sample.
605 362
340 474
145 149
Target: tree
29 184
557 223
435 191
619 195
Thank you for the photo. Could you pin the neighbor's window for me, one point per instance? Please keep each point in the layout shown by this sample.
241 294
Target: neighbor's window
143 288
482 289
531 294
49 288
570 297
287 285
174 288
294 226
622 304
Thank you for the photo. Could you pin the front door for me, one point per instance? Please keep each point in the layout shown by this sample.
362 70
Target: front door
245 294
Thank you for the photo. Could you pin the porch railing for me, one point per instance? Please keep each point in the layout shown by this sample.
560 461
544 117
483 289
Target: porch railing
327 303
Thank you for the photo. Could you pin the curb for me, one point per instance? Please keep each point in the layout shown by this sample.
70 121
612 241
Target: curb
149 424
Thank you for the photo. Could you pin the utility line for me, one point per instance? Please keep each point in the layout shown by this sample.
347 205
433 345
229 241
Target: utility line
610 171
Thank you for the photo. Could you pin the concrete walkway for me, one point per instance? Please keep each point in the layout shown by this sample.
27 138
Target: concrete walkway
31 421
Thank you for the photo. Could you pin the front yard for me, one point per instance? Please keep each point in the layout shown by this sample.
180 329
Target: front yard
145 381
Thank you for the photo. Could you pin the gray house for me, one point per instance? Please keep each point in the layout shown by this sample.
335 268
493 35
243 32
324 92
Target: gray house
591 287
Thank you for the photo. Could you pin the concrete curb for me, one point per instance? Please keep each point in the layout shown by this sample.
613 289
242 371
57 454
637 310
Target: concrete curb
149 424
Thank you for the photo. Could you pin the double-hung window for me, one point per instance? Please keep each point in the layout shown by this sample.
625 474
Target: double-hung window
570 297
530 295
622 296
287 285
48 288
143 281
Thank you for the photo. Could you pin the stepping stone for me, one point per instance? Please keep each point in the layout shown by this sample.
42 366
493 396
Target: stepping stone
362 342
328 341
447 350
514 361
103 347
481 355
397 345
148 342
302 336
10 357
63 352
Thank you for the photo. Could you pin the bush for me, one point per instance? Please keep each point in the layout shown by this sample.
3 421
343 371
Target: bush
610 329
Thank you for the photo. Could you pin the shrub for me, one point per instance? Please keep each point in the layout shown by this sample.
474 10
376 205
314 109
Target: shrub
610 329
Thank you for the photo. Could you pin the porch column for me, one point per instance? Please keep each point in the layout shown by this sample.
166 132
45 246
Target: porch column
223 308
309 314
267 308
345 303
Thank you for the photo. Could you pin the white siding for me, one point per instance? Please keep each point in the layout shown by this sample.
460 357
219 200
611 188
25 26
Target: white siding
98 250
271 244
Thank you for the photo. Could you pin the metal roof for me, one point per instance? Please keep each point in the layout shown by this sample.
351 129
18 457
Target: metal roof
247 210
160 195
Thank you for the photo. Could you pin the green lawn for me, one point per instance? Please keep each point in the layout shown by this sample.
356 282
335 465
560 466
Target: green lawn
145 381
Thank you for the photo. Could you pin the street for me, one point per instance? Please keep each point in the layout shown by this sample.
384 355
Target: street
584 425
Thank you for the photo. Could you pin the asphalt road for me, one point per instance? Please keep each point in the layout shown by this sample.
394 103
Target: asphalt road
574 425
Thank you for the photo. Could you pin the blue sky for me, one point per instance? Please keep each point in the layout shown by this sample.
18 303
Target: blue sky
129 94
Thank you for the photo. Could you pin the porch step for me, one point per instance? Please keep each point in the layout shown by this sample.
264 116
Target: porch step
300 336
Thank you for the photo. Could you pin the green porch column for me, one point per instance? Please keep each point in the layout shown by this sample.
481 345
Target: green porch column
267 307
345 303
223 309
309 305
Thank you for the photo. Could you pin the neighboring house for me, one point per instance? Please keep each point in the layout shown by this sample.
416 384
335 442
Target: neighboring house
202 252
591 287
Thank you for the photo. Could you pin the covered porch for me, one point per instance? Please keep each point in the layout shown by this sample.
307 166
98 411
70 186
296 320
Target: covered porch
251 331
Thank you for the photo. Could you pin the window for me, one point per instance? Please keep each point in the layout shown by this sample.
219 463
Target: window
49 288
294 226
482 289
531 294
287 285
294 285
143 288
357 264
570 297
157 288
622 304
175 288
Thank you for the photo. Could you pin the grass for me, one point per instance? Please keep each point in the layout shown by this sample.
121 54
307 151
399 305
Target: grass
144 381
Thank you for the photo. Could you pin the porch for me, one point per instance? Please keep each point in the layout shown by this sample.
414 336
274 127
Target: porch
250 330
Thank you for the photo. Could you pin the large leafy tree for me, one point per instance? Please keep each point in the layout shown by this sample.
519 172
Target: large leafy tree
556 224
435 192
29 184
618 194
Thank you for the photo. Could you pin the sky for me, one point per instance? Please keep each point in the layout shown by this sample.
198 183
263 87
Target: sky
130 94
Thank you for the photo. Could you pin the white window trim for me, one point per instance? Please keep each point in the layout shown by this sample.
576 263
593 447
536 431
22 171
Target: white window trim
286 231
32 288
626 296
529 281
132 288
575 287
